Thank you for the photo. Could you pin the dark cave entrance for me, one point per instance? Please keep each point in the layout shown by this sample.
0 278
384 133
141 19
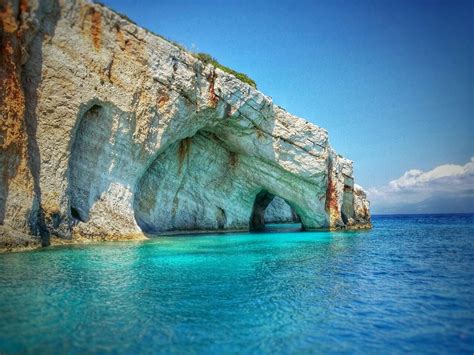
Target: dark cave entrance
273 213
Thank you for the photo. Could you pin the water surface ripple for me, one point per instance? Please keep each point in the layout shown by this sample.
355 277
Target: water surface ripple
407 285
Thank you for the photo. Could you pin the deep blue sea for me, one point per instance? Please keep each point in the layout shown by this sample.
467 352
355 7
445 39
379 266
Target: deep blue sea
405 286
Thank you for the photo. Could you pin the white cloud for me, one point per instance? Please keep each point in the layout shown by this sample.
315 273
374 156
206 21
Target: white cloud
443 183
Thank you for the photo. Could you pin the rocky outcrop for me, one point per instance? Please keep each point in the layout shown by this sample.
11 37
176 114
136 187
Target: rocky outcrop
108 131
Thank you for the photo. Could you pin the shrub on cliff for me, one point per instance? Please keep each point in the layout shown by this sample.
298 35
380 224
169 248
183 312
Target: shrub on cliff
204 57
207 59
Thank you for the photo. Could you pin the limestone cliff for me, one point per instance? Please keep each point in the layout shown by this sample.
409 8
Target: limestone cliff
110 131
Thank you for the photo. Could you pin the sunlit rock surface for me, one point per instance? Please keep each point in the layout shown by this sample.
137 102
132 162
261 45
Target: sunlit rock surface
109 131
278 211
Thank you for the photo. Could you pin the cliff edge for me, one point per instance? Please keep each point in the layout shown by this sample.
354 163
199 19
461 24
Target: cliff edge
109 131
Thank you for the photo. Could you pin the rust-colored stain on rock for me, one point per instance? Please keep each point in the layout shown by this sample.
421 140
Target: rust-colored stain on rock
233 160
183 151
93 23
96 19
119 37
24 6
13 145
7 18
213 99
163 99
332 207
12 101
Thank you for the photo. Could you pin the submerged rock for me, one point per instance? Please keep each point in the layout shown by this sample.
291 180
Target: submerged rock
110 131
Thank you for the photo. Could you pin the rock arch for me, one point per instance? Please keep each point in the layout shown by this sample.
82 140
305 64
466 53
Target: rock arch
199 183
87 168
259 217
194 184
204 176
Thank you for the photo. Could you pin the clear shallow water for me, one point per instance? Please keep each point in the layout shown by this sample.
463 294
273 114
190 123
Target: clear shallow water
407 285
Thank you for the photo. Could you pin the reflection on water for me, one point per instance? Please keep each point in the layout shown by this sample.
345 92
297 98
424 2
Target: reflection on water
404 286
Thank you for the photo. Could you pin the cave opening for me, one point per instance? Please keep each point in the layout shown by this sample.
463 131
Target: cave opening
76 214
90 154
273 213
176 192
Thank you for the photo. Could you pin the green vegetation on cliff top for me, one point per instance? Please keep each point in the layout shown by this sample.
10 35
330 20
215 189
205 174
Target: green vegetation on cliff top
203 57
207 59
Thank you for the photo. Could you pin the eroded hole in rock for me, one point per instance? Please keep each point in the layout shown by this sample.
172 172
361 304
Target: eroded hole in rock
269 210
76 215
195 184
199 183
101 155
280 212
88 147
221 218
257 220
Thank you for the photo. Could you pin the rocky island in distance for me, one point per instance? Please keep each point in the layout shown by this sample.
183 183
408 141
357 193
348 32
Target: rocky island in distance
111 132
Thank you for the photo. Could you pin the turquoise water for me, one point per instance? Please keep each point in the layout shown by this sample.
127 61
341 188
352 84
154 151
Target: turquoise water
407 285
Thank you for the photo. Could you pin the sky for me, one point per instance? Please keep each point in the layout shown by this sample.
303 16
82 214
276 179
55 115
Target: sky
391 80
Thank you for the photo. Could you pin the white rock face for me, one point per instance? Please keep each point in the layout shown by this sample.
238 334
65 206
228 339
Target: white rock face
110 131
278 211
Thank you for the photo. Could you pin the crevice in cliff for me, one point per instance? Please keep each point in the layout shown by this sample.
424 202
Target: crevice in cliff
31 79
76 214
183 151
331 205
